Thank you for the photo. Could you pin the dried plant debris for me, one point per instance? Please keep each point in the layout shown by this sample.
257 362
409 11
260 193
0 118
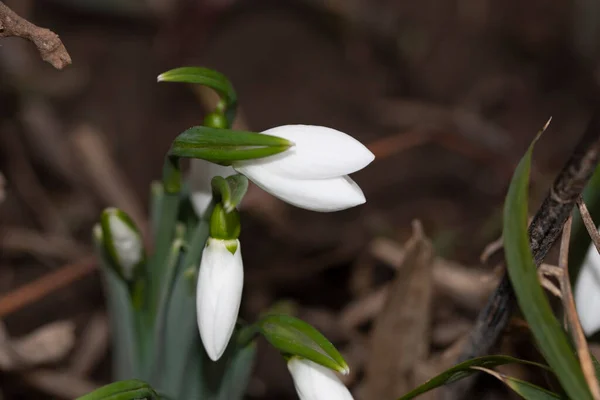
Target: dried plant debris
400 336
48 344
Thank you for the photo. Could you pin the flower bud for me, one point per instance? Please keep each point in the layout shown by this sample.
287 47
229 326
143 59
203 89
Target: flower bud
312 174
219 293
316 382
123 243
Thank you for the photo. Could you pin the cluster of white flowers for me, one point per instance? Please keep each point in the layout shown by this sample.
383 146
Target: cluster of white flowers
312 174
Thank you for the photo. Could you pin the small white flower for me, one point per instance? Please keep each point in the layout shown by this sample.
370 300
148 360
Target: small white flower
201 174
219 293
316 382
587 292
127 244
312 174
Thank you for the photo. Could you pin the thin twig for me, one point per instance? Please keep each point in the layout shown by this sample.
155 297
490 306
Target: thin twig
543 231
571 313
589 223
47 42
49 283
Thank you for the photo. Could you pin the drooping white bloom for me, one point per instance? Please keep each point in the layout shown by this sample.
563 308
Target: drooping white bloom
201 174
316 382
587 292
219 293
312 174
127 243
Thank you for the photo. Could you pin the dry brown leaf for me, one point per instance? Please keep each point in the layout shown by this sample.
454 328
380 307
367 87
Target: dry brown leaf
400 336
47 344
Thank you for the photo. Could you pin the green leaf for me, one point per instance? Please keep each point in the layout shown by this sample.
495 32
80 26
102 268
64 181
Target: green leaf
526 390
294 337
121 315
223 146
547 331
580 239
231 190
463 370
124 390
237 375
227 378
180 346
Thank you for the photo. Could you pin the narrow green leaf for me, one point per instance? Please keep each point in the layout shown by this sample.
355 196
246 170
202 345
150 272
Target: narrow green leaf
526 390
463 370
552 340
580 239
223 146
160 325
227 379
292 336
236 378
181 338
121 315
123 390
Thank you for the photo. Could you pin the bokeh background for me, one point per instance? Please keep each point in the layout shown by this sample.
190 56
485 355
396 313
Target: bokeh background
447 93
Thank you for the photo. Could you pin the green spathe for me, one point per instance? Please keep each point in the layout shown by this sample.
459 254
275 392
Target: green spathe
294 337
225 146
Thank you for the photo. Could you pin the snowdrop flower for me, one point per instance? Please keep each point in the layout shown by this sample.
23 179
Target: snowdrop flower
220 282
219 293
316 382
587 292
313 173
201 174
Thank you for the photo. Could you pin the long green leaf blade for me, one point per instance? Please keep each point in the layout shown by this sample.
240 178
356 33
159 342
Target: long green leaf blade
526 390
463 370
552 340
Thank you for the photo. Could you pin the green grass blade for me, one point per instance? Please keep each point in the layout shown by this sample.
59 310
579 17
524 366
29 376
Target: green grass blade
237 375
526 390
181 334
544 326
463 370
122 320
580 239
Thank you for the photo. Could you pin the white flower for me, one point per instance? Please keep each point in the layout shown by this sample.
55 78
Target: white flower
127 244
312 174
201 174
219 293
587 292
316 382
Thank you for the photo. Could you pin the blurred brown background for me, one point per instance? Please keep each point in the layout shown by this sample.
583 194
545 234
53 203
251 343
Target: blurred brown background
446 93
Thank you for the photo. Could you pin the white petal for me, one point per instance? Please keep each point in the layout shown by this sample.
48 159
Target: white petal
218 296
201 173
587 292
323 195
127 243
318 153
315 382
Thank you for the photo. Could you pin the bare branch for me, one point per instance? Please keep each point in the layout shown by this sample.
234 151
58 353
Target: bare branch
47 42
